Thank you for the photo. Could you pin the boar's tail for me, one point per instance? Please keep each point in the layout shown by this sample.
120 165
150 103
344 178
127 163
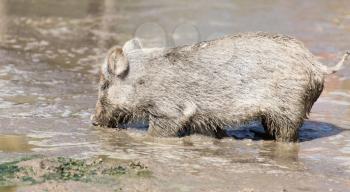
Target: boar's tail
331 70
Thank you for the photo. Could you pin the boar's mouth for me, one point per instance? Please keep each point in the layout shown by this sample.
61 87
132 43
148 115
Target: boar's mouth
113 119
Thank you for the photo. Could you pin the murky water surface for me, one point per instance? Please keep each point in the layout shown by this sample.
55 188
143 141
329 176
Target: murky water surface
16 143
49 57
8 189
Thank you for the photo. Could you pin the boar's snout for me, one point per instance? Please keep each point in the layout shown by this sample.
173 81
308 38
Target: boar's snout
93 120
95 117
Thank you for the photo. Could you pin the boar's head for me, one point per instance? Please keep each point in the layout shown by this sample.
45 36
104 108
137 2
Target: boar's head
113 106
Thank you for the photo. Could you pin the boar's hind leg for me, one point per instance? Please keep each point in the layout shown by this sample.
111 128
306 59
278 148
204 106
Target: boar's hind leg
282 128
163 127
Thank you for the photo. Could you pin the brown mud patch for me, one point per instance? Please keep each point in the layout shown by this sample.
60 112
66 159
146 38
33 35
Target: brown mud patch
16 143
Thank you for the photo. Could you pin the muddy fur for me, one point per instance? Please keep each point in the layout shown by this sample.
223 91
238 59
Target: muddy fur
205 87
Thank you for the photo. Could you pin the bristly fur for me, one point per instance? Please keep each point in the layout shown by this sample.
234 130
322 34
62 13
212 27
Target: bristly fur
205 87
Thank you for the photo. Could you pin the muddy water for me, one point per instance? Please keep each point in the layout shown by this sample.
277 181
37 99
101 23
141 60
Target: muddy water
15 143
49 57
8 189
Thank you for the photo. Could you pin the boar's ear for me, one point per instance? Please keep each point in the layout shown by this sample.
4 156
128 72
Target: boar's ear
132 45
117 62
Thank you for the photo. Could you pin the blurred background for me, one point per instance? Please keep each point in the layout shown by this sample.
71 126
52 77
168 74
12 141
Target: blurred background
50 53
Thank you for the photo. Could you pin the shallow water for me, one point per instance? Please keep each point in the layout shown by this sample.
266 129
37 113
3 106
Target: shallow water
49 57
16 143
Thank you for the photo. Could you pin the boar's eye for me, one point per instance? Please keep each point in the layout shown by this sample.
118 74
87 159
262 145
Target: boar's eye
105 85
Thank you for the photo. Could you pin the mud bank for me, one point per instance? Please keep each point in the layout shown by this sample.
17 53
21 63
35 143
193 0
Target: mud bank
60 174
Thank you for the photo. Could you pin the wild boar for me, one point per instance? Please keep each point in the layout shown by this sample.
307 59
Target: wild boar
210 85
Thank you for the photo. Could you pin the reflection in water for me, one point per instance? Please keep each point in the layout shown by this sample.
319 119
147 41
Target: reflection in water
309 131
284 154
314 130
130 144
50 52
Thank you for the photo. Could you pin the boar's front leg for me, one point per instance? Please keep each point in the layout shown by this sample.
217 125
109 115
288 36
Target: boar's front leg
167 127
281 128
214 131
163 127
171 122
